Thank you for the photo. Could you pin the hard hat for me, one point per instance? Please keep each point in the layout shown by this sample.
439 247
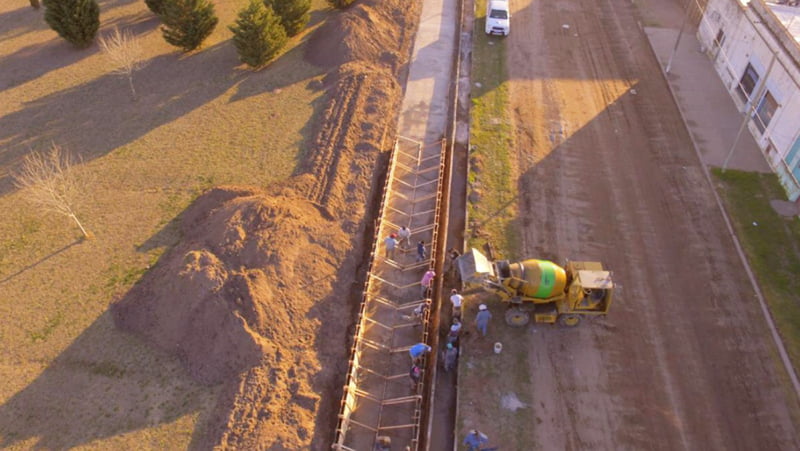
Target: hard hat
449 345
482 307
454 290
394 235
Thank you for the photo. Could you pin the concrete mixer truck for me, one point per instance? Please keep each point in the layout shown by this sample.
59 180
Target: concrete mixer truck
541 288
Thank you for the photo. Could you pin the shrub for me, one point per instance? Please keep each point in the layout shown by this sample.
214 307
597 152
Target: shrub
341 4
156 6
76 21
187 23
293 13
258 34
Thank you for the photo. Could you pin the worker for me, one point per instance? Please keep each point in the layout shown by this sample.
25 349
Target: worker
482 319
418 314
449 356
455 331
427 282
421 251
391 243
383 443
454 254
456 299
475 439
418 351
404 236
415 374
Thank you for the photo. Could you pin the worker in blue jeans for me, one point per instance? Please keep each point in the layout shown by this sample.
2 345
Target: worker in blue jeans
482 319
475 439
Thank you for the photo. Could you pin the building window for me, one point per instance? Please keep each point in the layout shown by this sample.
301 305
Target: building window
792 160
718 41
764 112
748 82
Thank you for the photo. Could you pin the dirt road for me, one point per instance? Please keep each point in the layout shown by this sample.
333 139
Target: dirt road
607 172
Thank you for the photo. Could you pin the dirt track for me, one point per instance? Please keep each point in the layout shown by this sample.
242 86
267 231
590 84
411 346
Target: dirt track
607 172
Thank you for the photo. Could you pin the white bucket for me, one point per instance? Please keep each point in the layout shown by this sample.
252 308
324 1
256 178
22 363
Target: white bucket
498 347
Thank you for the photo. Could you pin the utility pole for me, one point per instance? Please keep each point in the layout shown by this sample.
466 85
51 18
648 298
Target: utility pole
680 34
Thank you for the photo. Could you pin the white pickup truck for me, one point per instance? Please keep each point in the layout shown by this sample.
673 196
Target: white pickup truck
498 17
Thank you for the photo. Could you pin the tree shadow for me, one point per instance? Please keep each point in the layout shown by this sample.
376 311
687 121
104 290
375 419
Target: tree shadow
26 19
99 116
279 73
33 61
22 20
100 386
40 261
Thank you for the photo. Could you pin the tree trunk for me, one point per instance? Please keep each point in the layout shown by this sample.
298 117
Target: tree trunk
130 81
75 218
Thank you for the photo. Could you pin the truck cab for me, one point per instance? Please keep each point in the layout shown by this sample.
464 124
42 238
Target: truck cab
498 17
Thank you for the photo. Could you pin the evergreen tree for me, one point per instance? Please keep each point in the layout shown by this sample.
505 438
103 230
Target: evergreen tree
156 6
341 4
187 23
76 21
293 13
258 34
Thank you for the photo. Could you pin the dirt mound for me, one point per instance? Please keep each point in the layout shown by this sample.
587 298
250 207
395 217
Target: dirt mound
360 115
372 30
234 290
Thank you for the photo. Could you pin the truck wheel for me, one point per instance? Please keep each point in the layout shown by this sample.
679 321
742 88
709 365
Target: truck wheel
517 318
569 320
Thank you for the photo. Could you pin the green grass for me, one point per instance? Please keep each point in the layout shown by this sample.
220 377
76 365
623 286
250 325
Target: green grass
45 331
485 378
772 245
491 175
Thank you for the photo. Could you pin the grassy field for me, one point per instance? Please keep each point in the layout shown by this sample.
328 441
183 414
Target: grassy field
200 119
491 158
772 245
492 385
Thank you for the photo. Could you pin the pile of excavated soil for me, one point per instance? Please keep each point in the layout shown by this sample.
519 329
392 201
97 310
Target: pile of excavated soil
378 31
239 285
262 292
242 300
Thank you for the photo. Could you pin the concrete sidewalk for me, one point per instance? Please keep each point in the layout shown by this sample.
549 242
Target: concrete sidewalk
710 115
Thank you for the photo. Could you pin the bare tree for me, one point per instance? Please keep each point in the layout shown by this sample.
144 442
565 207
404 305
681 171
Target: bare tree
51 183
125 51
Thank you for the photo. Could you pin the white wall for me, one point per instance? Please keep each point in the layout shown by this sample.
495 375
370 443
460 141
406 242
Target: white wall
743 45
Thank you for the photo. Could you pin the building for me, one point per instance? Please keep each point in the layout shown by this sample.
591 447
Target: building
754 47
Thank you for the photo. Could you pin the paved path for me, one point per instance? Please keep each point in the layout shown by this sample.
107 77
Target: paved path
711 116
423 116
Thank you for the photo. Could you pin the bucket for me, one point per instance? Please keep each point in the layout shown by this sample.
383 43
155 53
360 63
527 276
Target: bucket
498 347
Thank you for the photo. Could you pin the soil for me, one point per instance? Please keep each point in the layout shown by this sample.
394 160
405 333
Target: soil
606 173
259 292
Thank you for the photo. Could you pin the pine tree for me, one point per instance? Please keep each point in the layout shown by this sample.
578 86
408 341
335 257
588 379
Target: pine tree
293 13
258 34
187 23
76 21
156 6
341 4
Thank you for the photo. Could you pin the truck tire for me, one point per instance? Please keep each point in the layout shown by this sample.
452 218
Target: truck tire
569 320
516 317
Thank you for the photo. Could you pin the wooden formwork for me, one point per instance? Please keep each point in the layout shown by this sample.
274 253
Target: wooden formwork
378 399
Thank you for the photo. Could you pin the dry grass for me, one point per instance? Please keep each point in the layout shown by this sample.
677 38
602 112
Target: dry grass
70 379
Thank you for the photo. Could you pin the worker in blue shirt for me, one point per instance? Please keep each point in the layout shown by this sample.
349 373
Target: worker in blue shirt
417 351
475 439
